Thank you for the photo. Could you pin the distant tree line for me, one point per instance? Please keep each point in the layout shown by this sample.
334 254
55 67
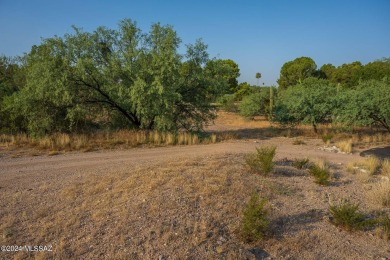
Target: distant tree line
347 75
351 94
348 95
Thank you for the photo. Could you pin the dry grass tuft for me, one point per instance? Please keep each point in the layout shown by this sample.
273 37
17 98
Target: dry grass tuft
363 176
372 164
385 169
352 168
345 146
379 194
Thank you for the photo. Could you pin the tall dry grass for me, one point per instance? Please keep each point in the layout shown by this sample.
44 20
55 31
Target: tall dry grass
385 169
106 140
379 194
345 146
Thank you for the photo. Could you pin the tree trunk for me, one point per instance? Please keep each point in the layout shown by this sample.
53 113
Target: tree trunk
315 128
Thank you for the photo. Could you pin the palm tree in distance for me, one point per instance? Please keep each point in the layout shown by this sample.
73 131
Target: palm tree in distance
258 76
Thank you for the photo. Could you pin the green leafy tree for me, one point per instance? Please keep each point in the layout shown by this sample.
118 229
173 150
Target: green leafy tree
257 103
243 89
11 80
366 105
326 71
348 75
258 76
121 78
378 70
230 71
311 102
294 72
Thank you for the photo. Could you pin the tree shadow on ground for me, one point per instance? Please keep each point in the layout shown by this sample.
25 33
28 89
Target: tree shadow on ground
380 152
261 133
259 253
295 223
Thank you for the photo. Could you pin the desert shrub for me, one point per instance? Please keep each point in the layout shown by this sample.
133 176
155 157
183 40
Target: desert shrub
300 163
262 161
251 105
260 102
320 173
255 221
347 215
227 103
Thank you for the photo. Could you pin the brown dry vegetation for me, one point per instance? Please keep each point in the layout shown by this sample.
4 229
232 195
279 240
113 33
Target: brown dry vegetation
123 139
184 202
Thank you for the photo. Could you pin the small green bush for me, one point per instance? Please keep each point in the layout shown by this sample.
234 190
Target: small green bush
255 220
347 215
227 103
251 106
321 174
300 163
261 162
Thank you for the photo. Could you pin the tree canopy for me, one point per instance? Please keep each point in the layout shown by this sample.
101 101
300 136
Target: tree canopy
229 70
120 77
310 102
294 72
366 105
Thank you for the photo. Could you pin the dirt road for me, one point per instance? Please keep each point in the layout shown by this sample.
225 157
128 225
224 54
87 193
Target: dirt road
25 171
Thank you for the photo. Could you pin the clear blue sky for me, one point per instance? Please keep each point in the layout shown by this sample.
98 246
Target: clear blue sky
259 35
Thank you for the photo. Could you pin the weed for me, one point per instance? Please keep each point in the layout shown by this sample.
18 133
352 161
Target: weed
347 215
300 163
255 221
320 173
262 161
